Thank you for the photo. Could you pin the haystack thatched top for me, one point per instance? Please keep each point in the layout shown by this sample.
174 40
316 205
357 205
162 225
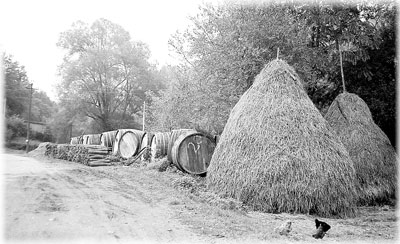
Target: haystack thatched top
275 69
278 154
352 108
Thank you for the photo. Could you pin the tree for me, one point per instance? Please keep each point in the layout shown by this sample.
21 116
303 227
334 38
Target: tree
17 100
226 46
42 106
365 34
17 94
378 87
173 107
105 73
335 27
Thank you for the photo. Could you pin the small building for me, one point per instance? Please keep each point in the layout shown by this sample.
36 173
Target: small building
37 127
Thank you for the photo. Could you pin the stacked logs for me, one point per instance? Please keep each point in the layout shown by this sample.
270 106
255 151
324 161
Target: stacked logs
91 155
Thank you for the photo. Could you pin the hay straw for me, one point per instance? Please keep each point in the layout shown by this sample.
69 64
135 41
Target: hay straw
277 153
373 156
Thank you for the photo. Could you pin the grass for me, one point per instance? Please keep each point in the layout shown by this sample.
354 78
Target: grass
19 143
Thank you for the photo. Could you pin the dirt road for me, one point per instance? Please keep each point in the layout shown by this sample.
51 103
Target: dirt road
64 201
59 201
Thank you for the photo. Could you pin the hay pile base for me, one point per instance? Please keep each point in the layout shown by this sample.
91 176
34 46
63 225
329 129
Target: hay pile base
91 155
40 150
373 156
278 154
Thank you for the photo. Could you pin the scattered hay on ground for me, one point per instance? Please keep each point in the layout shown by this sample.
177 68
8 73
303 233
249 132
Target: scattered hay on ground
196 188
373 156
226 203
40 150
186 183
277 153
160 164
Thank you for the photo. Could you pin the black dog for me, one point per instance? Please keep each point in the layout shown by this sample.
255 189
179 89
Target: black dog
322 228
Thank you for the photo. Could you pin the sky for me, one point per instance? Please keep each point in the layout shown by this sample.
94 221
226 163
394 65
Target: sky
29 30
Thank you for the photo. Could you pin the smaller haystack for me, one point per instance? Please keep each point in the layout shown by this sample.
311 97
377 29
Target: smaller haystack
277 154
373 156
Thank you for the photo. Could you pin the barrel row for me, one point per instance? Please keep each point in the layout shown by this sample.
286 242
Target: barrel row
93 139
189 150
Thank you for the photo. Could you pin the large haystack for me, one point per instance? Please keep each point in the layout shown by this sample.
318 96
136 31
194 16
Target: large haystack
278 154
373 156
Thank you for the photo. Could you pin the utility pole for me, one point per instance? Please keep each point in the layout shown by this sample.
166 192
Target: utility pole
29 118
4 106
70 131
144 112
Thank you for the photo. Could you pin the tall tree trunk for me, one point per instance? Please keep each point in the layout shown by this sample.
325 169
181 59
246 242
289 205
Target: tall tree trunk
105 123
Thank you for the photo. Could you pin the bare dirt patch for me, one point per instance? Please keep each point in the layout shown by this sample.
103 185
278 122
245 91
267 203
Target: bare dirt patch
57 200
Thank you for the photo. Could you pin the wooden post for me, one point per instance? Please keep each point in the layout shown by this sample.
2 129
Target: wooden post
70 131
144 112
277 53
341 69
4 106
29 118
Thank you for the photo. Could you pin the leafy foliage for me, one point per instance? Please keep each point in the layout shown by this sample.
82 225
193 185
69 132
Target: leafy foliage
17 101
15 127
224 49
378 87
350 28
17 94
42 106
105 74
227 45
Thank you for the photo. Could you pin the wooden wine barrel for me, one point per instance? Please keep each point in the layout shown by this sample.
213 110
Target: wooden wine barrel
192 152
85 139
138 133
93 139
129 144
74 140
80 139
107 138
146 142
118 135
174 135
159 145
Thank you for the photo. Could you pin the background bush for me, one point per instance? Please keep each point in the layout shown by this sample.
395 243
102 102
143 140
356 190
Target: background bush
15 127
